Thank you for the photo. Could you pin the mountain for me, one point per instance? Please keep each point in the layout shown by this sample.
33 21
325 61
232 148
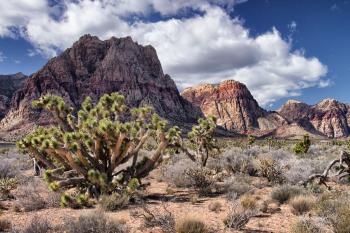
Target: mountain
329 117
92 67
8 85
234 106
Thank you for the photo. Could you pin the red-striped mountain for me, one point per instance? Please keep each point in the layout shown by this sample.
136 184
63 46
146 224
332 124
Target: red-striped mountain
234 106
92 67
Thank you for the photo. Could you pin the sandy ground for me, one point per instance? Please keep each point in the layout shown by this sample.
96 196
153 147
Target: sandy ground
278 218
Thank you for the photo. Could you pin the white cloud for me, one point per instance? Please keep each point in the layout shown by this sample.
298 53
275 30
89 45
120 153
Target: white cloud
292 26
209 47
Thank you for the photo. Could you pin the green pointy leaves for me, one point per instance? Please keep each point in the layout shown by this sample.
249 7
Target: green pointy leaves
52 103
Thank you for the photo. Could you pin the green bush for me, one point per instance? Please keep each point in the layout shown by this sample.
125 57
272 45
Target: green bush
303 146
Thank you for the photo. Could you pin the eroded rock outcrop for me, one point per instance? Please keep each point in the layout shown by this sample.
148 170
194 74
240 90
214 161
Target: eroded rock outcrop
93 67
234 106
9 84
329 117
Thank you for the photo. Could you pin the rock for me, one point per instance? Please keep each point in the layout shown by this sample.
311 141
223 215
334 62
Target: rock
329 117
234 107
92 67
8 85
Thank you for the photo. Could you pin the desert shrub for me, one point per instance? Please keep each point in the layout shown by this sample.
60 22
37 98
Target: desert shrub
234 188
299 170
238 161
248 202
201 179
237 217
303 146
191 225
6 186
175 173
301 204
270 169
36 225
284 193
7 170
5 225
310 225
215 206
113 202
155 217
264 206
28 198
95 222
335 208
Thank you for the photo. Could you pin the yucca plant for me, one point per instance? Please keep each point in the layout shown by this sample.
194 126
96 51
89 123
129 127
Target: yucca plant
87 148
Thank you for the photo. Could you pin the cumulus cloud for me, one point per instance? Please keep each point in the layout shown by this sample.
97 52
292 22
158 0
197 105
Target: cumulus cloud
208 47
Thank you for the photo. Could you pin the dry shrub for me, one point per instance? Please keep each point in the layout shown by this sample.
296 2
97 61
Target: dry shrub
114 201
200 179
336 208
237 216
310 225
236 187
155 217
175 173
301 204
36 225
191 225
5 225
7 170
270 169
248 202
29 198
95 222
284 193
215 206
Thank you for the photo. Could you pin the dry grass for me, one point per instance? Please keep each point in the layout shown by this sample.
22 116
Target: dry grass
301 204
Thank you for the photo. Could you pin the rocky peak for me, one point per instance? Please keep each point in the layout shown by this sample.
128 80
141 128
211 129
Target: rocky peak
92 67
230 101
329 117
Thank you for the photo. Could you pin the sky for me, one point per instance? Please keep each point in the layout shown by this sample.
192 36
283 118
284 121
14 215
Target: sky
281 49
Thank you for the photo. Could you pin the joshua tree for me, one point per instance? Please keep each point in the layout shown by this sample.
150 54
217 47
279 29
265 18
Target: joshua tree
89 147
303 146
202 140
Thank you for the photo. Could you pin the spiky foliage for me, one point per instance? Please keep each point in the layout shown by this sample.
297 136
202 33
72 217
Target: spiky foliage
88 147
303 146
202 139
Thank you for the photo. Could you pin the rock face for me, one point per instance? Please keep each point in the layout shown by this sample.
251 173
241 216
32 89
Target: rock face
93 67
328 117
8 85
234 106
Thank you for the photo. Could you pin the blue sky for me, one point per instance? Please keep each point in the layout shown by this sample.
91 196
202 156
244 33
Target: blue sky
280 49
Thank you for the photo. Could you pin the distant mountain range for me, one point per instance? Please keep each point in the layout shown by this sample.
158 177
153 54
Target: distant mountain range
92 67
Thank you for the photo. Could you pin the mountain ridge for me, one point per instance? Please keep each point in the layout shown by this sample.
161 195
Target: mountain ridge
92 67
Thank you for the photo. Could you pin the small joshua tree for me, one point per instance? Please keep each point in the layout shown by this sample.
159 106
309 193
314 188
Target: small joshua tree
202 139
303 146
88 147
